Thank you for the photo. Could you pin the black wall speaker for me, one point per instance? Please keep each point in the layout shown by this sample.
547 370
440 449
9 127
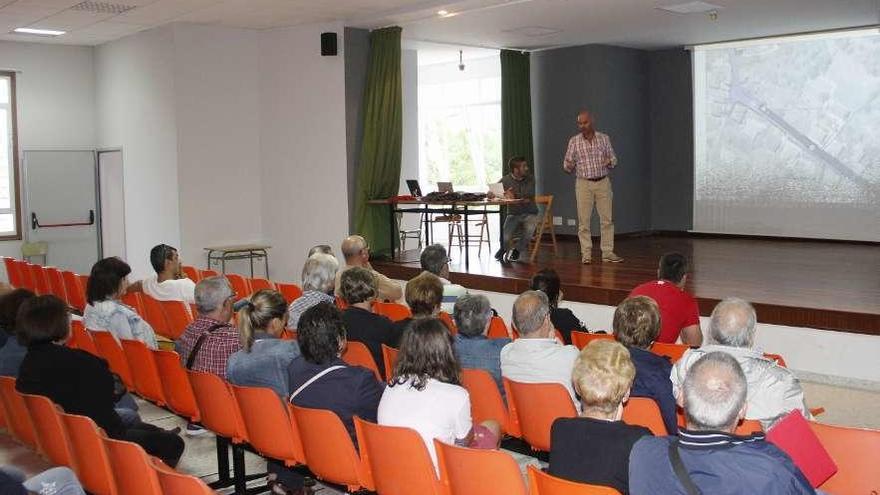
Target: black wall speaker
328 44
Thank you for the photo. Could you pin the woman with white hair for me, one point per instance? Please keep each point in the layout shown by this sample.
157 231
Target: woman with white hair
318 284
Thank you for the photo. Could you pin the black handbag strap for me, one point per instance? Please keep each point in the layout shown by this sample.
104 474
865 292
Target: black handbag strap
680 471
198 345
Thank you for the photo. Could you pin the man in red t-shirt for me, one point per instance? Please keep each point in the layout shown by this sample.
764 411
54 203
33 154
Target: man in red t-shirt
679 313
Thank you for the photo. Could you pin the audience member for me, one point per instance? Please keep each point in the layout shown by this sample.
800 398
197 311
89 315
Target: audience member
435 260
708 457
547 281
520 218
537 357
473 314
424 295
169 283
318 282
77 381
773 390
357 253
264 358
425 392
320 248
210 339
54 481
594 448
107 283
678 309
12 353
358 286
636 325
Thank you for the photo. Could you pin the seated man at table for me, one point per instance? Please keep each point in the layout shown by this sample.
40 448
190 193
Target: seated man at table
518 184
357 253
169 283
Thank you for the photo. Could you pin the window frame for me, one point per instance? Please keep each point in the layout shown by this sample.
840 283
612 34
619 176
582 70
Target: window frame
15 199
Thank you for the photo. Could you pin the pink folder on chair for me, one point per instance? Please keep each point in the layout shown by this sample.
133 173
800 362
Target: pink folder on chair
793 435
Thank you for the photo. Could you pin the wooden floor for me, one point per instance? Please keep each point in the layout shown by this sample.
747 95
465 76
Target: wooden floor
829 285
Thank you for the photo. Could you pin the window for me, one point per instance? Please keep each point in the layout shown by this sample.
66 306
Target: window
460 119
9 220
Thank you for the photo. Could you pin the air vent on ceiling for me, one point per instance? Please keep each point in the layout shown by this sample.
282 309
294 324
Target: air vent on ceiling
102 7
691 8
533 31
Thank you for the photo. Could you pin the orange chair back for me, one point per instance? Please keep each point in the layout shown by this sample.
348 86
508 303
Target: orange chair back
144 372
112 352
486 400
748 426
133 301
397 459
855 451
239 285
191 273
81 339
83 282
133 469
51 436
541 483
291 292
450 323
581 339
389 359
393 311
41 282
673 351
340 303
217 407
87 442
203 274
174 483
536 406
178 316
777 359
13 273
56 283
260 284
15 411
155 316
329 451
358 354
271 429
178 392
643 411
498 329
76 292
466 471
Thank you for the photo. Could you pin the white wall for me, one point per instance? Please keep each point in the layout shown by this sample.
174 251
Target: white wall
302 145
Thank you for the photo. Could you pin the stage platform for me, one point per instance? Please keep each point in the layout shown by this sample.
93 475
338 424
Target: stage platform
820 284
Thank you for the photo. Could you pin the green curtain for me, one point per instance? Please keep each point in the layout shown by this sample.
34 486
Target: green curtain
379 170
516 107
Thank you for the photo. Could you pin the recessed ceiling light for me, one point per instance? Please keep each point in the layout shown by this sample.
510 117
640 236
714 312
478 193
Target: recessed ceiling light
691 8
39 32
533 31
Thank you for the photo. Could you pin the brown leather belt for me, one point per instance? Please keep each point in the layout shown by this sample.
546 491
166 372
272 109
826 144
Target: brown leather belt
597 179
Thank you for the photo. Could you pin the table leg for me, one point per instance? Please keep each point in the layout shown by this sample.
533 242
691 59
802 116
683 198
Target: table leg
251 259
266 261
391 229
501 229
467 256
223 263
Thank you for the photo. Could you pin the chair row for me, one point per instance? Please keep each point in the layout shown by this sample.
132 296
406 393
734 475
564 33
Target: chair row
244 286
43 280
103 465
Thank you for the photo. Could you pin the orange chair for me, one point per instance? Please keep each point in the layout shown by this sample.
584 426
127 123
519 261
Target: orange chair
203 274
358 354
76 292
673 351
643 411
51 436
111 351
450 323
393 311
498 329
389 358
155 316
133 301
291 292
41 282
260 284
329 451
144 372
239 285
13 274
397 460
271 429
581 339
87 442
486 400
466 471
16 413
191 273
83 282
178 316
855 451
56 283
776 358
132 468
174 483
340 303
27 277
748 426
80 338
535 406
541 483
176 388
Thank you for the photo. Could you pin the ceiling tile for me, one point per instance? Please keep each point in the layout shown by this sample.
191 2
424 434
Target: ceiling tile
162 11
70 20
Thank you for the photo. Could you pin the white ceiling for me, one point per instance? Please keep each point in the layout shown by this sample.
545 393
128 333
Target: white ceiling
527 24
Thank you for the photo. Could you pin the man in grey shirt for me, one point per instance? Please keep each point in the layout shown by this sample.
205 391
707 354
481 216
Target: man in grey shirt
518 184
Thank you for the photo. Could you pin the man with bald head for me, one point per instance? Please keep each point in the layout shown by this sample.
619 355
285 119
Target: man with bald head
590 158
357 253
773 390
536 356
707 457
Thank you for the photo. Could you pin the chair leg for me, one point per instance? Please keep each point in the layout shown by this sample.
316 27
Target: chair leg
238 470
223 480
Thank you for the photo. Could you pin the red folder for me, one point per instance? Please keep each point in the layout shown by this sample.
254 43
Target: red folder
793 435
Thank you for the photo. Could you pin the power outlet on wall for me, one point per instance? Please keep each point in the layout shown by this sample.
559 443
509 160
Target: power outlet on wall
557 221
572 222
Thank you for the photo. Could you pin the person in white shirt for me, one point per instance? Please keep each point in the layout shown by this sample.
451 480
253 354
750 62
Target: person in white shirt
425 392
435 260
537 357
169 283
